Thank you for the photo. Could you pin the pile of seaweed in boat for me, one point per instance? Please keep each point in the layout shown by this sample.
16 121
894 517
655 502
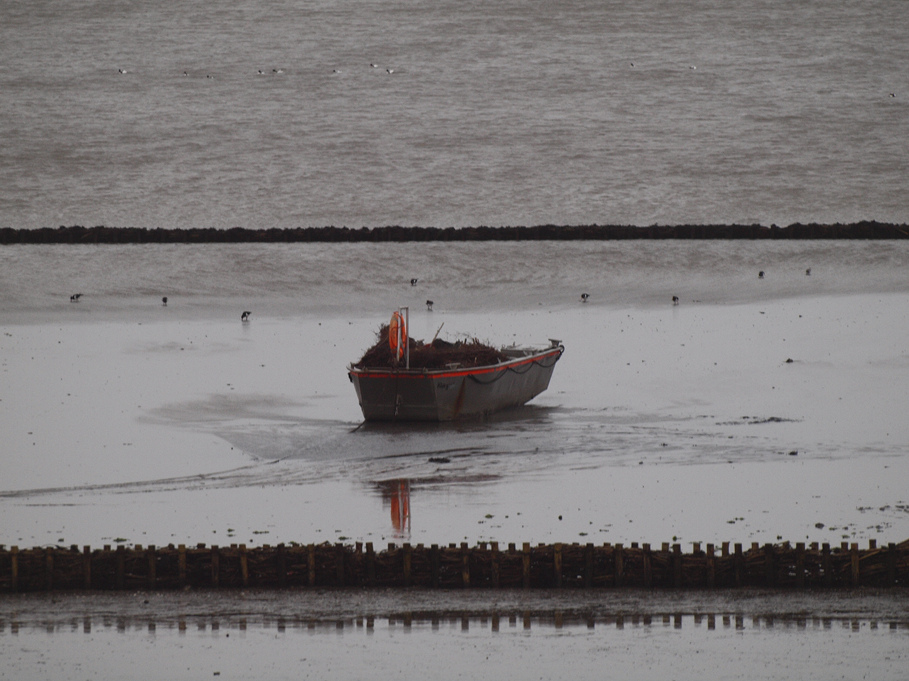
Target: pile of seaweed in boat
435 355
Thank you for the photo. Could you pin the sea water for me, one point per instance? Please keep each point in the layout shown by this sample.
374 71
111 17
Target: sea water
376 112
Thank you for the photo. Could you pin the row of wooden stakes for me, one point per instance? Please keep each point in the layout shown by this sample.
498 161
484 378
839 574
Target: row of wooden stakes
455 566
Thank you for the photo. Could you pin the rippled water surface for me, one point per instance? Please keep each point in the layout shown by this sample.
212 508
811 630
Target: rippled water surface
376 112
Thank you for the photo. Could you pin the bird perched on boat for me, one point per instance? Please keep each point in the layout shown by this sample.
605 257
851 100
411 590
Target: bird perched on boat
761 274
429 305
584 297
75 297
245 316
413 282
675 300
164 301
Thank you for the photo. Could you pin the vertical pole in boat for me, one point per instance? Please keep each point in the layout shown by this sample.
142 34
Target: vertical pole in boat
406 311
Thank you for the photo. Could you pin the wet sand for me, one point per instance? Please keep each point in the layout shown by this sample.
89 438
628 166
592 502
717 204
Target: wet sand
687 423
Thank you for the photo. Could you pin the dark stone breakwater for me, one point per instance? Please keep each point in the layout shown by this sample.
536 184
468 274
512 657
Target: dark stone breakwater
141 235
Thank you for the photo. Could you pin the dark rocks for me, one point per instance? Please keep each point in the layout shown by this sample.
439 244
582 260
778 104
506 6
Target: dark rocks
118 235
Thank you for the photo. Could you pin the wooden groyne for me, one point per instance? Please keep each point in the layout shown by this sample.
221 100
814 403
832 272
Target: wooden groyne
485 565
77 234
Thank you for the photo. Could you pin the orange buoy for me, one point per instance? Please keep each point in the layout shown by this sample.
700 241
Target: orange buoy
397 335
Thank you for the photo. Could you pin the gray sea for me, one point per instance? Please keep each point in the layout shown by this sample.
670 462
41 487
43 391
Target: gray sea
286 113
756 410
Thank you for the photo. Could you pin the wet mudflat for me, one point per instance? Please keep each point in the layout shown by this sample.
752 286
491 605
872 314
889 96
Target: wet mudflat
128 422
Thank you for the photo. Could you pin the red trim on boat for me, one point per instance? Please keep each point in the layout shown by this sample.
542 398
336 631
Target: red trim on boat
441 373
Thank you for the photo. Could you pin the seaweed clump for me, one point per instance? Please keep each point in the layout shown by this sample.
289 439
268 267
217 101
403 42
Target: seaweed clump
438 354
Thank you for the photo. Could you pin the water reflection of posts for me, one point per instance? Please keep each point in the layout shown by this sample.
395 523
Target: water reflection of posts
398 491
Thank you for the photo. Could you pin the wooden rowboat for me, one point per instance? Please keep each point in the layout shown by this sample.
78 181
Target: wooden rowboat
453 392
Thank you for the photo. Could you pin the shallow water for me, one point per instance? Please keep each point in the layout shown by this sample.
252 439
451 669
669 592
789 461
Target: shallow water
298 634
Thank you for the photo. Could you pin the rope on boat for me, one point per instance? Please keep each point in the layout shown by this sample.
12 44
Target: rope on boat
528 366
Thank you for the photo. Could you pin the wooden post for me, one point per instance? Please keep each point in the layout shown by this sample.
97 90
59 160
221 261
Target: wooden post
800 565
121 567
14 567
648 567
215 566
434 565
711 567
181 565
827 563
311 564
495 565
588 565
465 565
739 565
619 554
854 559
408 560
87 567
339 557
49 569
557 565
769 565
282 564
244 566
525 565
152 561
370 564
677 565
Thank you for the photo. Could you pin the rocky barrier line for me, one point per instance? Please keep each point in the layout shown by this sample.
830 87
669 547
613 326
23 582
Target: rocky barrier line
126 235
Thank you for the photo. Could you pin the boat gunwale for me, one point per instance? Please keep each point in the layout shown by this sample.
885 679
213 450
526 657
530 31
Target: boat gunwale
382 372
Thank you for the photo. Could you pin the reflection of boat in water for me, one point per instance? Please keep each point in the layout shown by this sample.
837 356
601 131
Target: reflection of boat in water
398 493
444 381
